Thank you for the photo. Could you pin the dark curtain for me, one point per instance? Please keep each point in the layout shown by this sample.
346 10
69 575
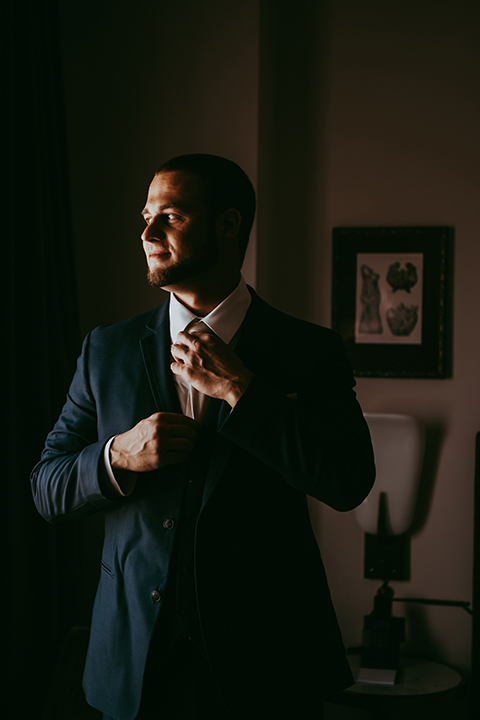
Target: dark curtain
40 345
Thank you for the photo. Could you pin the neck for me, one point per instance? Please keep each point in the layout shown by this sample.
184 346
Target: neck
202 297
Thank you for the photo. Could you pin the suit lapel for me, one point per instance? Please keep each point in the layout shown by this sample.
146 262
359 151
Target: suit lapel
155 349
255 330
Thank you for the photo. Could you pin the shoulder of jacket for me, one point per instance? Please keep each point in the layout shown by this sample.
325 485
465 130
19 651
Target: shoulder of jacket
290 321
130 326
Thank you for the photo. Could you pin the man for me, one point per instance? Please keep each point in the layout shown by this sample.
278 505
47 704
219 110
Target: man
201 441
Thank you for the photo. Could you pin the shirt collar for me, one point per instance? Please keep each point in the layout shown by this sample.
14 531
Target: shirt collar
224 320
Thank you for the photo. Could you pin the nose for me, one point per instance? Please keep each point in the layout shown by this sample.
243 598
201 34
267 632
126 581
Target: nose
153 231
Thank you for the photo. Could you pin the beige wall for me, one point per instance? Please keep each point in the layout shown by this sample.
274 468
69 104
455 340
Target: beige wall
397 109
401 147
377 104
395 95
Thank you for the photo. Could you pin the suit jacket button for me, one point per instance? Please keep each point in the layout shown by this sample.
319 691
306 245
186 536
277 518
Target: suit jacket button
168 523
155 595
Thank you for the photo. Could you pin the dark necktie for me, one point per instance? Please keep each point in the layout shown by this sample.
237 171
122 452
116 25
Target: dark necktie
197 402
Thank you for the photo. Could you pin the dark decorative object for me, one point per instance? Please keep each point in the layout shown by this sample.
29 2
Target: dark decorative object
389 299
382 636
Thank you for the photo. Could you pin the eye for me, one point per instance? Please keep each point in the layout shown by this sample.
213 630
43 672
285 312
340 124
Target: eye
172 218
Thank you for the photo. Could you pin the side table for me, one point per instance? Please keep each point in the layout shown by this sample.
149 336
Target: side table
420 684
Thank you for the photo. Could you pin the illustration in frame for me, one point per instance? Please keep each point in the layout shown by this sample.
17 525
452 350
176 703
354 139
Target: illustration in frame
389 299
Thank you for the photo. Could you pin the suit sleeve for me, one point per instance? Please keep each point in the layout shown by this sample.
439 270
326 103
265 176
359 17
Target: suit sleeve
319 441
70 479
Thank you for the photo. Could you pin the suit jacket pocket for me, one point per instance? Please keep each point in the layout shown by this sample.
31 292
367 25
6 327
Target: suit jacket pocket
106 568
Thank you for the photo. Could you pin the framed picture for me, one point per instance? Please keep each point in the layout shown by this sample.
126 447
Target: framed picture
389 299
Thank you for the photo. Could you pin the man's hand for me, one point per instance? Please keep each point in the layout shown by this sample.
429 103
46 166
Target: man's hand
161 439
210 366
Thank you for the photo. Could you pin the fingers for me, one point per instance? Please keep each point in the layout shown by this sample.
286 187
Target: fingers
176 424
161 439
191 353
174 419
180 444
176 437
190 346
194 339
179 353
210 366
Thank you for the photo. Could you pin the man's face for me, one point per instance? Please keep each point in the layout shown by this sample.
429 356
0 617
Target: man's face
179 240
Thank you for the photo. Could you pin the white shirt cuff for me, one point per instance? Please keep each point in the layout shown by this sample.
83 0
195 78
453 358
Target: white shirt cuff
110 473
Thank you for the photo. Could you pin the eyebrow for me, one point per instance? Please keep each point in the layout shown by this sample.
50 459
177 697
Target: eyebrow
165 206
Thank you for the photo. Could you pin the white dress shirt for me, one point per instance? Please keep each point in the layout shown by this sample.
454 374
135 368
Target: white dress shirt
224 321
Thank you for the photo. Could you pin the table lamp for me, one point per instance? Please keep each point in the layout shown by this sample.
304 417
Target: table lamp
386 516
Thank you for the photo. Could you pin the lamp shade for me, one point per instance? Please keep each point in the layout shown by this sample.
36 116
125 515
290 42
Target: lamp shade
398 444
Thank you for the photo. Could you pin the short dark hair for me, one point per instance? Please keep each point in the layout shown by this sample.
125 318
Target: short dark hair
225 186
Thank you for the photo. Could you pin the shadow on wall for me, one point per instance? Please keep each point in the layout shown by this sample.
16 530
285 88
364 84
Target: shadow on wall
434 436
420 636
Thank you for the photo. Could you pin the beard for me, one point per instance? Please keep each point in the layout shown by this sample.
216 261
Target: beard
202 260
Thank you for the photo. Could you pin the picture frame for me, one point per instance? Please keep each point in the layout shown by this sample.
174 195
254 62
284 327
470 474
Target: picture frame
389 299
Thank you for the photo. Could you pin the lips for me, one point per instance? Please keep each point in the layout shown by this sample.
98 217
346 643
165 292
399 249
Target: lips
158 254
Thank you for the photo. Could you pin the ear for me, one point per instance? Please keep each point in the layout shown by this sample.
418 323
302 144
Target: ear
228 224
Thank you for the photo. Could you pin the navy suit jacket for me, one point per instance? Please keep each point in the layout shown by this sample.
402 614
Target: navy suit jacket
266 616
